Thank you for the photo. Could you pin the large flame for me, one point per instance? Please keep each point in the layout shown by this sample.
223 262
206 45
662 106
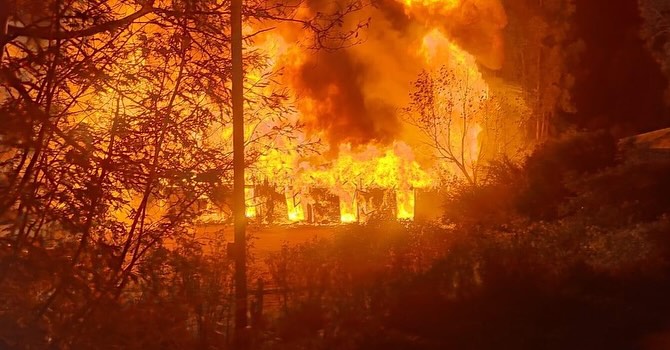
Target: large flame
348 108
346 166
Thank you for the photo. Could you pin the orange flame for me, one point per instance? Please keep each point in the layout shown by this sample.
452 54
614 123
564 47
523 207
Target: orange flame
389 166
392 167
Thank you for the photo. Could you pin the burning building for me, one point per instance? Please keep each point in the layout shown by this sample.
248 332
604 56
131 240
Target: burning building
357 146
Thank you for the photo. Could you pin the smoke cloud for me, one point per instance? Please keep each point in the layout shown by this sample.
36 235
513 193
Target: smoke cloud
333 83
353 95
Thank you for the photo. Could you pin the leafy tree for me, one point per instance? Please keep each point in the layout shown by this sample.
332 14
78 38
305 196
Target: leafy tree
115 116
447 109
540 53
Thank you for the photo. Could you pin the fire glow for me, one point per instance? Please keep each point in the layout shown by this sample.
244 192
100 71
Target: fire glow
349 165
348 103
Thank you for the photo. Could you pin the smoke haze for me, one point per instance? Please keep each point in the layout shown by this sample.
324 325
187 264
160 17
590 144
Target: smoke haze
353 94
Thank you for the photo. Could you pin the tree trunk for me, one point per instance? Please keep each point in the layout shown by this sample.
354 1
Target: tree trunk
239 217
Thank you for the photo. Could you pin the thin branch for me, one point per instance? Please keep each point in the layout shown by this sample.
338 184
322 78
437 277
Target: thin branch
48 34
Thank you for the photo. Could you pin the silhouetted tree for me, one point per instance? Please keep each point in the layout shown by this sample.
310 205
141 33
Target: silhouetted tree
114 115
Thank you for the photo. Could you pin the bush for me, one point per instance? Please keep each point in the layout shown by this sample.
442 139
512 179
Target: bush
553 165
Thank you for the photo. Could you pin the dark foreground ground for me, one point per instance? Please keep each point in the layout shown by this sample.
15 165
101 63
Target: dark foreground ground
570 250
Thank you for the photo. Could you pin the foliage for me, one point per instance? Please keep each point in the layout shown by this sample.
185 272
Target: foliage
450 108
334 291
114 134
492 202
495 269
551 167
541 51
112 117
656 31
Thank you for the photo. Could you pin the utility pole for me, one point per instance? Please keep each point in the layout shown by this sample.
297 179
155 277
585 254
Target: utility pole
239 218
